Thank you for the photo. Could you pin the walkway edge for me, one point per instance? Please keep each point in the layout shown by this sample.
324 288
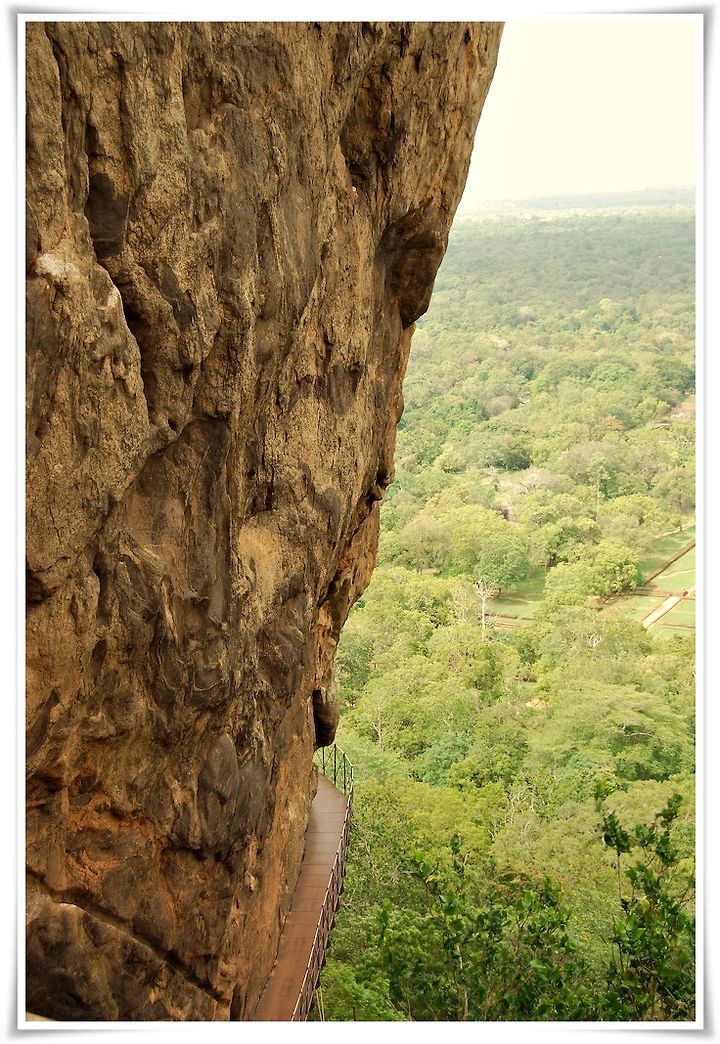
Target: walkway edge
290 988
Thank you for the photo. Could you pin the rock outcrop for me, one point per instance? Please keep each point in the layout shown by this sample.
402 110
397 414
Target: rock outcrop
231 228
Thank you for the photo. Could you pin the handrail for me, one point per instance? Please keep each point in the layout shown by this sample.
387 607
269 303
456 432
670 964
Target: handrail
341 776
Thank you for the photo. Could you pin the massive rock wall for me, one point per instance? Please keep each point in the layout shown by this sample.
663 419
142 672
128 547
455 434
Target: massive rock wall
231 229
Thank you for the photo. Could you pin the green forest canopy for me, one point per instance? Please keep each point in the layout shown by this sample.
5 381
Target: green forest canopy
545 451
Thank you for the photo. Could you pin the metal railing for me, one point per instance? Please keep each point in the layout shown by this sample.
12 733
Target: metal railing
338 771
335 766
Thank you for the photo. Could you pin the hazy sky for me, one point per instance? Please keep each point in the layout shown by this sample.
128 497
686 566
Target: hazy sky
585 106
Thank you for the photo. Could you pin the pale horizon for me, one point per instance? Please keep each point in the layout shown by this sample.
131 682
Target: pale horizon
587 106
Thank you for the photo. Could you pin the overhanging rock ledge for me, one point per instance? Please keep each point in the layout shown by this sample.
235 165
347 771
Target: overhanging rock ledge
231 228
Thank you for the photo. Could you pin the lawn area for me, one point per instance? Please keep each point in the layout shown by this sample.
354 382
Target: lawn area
638 606
524 598
682 613
680 620
680 576
514 610
533 588
663 548
663 630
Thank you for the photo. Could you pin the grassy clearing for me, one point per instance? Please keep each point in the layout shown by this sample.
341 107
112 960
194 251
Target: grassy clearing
664 548
523 600
682 613
520 610
533 588
663 630
680 576
638 606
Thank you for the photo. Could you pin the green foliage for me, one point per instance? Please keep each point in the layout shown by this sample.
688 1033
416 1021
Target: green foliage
466 538
559 524
595 729
498 750
505 955
676 490
345 994
614 567
652 970
546 445
605 569
446 943
441 756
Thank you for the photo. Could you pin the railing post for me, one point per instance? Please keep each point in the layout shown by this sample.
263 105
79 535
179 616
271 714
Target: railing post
344 783
334 765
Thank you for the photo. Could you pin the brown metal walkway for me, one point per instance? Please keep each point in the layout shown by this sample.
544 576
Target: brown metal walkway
288 993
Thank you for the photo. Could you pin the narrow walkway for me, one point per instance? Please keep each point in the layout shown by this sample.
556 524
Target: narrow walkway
662 610
313 908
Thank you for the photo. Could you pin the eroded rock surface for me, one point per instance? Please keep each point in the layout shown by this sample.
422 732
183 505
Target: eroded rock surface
231 230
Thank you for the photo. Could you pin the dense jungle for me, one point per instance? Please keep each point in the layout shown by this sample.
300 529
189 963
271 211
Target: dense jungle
517 682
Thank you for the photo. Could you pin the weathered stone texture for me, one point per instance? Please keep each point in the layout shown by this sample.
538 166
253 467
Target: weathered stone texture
231 229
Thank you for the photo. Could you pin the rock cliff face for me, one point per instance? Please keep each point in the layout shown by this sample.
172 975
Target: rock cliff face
231 229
